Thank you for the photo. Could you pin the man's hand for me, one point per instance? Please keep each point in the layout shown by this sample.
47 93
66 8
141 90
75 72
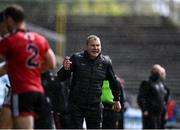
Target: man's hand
145 113
67 63
117 106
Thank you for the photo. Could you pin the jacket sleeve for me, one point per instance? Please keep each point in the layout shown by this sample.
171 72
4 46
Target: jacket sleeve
114 85
167 94
142 96
65 74
123 99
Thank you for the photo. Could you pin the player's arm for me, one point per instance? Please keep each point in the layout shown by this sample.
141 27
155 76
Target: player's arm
49 61
3 68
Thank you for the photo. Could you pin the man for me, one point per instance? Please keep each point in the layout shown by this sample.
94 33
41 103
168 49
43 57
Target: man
5 114
89 69
28 55
111 118
124 104
4 79
152 99
166 98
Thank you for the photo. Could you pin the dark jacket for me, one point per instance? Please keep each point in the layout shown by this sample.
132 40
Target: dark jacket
88 76
123 100
152 97
57 91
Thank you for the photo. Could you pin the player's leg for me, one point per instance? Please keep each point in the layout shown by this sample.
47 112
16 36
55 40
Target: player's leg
5 115
5 118
23 110
22 122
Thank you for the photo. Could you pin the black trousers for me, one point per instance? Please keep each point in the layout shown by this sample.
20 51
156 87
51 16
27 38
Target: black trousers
152 122
44 120
111 119
62 120
91 114
121 120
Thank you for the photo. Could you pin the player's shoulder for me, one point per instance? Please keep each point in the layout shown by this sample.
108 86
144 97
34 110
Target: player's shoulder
5 38
40 40
37 35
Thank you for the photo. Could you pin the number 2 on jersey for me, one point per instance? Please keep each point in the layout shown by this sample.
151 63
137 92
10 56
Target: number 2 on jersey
32 59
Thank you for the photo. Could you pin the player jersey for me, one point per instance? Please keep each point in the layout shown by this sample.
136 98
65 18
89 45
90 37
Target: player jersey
4 81
24 52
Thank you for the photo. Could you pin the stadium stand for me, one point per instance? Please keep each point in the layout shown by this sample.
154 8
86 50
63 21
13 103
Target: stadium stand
134 43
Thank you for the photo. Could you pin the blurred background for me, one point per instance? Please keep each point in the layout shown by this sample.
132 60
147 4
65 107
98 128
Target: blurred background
135 33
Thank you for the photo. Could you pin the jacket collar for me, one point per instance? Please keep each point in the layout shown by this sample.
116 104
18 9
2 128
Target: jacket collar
87 56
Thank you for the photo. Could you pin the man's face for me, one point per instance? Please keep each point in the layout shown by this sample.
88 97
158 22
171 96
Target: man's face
94 48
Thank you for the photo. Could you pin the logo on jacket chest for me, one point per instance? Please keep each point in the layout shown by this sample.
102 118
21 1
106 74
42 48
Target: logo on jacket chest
100 66
83 64
97 66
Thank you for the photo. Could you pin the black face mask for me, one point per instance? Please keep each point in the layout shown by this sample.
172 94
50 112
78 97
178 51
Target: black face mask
155 77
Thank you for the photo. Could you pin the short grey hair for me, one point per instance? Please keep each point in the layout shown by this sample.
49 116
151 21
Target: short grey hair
92 38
